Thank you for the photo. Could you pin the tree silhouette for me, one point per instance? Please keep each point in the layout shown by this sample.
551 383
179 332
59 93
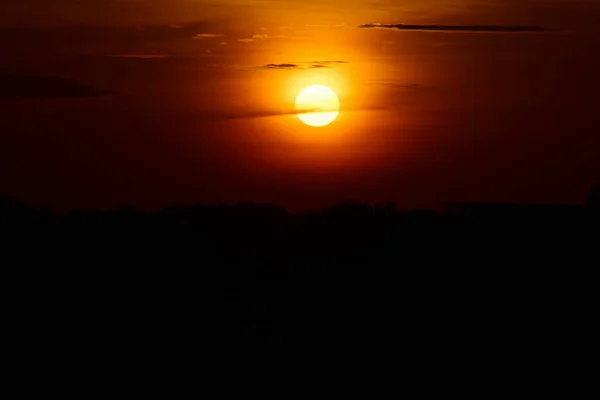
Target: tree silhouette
593 199
13 210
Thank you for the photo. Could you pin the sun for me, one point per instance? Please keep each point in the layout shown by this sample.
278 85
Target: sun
317 106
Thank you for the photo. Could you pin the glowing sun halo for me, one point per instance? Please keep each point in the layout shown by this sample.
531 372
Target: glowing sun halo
317 106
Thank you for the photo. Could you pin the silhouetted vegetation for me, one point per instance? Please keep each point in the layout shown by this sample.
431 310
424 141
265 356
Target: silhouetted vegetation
594 196
252 275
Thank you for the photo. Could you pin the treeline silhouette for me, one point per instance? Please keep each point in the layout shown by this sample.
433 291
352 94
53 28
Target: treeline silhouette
243 277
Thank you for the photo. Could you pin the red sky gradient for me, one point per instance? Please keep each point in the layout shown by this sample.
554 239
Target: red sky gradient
428 115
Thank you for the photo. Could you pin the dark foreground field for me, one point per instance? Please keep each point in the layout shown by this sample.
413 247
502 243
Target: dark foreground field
485 283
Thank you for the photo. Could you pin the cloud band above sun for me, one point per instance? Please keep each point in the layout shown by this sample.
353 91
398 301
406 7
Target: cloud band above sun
298 66
461 28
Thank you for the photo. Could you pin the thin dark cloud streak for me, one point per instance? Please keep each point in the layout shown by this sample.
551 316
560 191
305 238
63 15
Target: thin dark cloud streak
14 87
298 66
462 28
139 56
329 62
394 83
280 66
285 112
93 36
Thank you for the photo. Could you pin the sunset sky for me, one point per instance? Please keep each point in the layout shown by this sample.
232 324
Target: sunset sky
154 102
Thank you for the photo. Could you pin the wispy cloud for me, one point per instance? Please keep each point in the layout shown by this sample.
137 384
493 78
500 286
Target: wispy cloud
329 62
255 38
296 66
45 87
202 36
394 83
280 66
139 56
462 28
262 36
249 114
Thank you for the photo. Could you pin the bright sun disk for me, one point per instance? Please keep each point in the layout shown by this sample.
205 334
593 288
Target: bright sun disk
317 106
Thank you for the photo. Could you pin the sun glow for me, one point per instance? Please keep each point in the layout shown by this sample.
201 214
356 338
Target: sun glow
317 106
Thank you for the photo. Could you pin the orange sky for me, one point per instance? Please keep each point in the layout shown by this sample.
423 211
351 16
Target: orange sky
204 92
566 13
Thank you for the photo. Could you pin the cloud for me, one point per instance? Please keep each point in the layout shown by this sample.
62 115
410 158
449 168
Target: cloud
105 39
262 36
329 62
249 114
323 26
45 87
258 36
140 56
280 66
461 28
394 83
202 36
297 66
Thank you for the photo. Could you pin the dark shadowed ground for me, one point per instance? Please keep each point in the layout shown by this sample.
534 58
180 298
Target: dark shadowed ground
485 283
